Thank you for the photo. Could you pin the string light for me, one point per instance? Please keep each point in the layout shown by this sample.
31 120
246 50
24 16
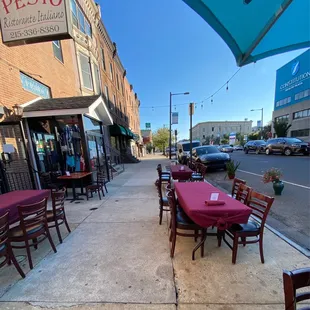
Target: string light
227 86
212 99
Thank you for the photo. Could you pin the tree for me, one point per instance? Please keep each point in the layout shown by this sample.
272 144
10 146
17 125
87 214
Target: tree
207 140
161 138
254 136
281 128
240 138
266 131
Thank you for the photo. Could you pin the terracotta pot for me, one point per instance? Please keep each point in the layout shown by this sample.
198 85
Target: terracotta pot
231 176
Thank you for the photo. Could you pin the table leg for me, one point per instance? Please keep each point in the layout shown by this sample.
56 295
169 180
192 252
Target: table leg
75 196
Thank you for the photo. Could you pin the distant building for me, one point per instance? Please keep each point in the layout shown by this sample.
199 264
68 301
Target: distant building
218 129
292 96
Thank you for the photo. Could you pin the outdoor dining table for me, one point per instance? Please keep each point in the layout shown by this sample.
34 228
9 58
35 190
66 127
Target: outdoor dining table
9 201
192 197
74 177
179 173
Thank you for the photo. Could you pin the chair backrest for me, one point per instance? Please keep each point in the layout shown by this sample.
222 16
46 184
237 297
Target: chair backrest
235 186
32 215
58 200
4 230
243 193
192 166
292 281
45 179
260 205
101 178
173 207
203 170
159 189
159 170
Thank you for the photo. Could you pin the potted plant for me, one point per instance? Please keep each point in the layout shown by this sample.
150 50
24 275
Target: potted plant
273 175
231 168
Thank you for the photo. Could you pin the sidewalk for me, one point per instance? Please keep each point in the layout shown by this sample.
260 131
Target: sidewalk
117 257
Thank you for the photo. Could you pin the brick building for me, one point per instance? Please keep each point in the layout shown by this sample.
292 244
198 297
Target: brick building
86 65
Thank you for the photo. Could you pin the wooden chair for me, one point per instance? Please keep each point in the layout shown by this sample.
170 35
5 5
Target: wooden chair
47 181
57 215
180 221
235 186
5 246
292 281
163 201
243 193
98 186
199 175
164 176
33 224
192 166
260 205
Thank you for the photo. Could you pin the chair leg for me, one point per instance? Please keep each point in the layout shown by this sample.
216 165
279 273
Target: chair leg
66 223
13 259
235 249
160 214
261 249
243 239
28 254
99 193
35 243
87 194
50 239
203 236
196 233
58 231
105 188
173 241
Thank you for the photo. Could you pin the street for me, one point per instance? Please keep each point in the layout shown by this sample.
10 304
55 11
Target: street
290 213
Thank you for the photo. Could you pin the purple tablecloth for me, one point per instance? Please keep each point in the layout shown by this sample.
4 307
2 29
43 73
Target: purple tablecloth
192 197
10 201
178 174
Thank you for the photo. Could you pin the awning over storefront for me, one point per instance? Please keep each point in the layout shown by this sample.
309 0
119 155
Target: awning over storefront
130 134
92 106
117 130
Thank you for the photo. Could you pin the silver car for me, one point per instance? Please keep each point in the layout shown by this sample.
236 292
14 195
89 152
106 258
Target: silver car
226 148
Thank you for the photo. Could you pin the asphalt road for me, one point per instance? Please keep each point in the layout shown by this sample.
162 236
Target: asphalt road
290 213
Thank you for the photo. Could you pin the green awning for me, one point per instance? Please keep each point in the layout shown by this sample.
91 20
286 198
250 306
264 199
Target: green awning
117 130
130 134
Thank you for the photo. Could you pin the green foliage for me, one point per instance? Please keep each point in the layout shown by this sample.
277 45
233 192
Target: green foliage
224 141
266 131
254 136
149 147
161 138
232 167
281 128
240 138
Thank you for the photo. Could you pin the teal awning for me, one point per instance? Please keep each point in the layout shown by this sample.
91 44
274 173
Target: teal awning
256 29
117 130
130 134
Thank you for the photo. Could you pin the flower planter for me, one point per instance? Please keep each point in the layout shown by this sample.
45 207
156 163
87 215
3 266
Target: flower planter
231 176
278 187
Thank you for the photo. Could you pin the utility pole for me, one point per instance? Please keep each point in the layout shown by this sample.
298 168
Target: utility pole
191 112
176 139
170 112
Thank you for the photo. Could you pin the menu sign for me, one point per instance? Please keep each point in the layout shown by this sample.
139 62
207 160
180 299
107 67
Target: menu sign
29 21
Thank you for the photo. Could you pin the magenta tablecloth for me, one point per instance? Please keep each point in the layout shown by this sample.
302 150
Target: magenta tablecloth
11 200
192 197
178 174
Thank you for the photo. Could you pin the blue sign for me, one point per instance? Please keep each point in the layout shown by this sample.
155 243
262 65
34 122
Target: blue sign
259 124
293 82
34 86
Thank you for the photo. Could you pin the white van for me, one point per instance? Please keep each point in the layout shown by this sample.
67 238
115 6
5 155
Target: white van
184 150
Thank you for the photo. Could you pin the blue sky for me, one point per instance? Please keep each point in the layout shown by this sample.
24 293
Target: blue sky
165 46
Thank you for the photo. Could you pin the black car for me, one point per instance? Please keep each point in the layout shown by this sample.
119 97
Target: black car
257 146
210 156
287 146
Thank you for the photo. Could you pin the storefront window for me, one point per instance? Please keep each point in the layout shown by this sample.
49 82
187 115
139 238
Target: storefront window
57 144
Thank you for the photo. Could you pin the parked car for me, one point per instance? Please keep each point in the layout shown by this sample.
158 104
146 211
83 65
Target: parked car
226 148
257 146
287 146
210 156
184 149
238 148
173 151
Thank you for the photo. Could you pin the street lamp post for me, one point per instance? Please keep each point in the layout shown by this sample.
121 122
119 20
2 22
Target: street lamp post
170 115
262 118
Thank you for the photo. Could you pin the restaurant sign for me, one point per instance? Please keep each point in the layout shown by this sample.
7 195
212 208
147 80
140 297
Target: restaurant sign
33 21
